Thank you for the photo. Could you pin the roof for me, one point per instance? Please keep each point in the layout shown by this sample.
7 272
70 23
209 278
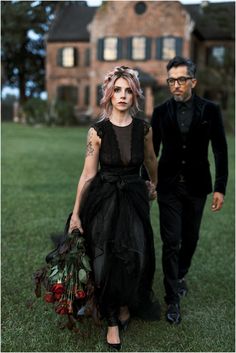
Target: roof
71 23
213 21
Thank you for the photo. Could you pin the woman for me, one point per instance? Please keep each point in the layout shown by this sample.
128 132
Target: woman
112 207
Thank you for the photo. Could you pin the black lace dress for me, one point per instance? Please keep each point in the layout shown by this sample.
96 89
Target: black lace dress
116 221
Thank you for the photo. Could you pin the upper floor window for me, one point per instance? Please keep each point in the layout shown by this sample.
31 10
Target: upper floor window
169 50
218 54
110 49
168 47
67 57
138 48
140 7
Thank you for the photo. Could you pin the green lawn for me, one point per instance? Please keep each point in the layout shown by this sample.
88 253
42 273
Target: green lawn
40 170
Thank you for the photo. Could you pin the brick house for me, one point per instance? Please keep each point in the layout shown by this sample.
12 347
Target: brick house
86 42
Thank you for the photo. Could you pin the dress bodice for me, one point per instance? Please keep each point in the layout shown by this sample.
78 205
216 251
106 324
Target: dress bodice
122 148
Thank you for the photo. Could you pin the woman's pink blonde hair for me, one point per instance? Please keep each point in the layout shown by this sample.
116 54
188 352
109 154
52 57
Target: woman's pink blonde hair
108 89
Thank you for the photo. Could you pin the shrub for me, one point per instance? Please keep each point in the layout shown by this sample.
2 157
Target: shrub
36 111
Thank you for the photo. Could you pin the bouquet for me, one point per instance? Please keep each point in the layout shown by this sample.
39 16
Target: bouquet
67 278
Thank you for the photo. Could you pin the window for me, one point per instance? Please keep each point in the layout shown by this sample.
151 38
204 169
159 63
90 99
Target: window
140 8
67 57
168 47
110 49
168 51
218 54
139 48
67 94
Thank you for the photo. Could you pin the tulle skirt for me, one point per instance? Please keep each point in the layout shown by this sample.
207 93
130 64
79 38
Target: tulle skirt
115 215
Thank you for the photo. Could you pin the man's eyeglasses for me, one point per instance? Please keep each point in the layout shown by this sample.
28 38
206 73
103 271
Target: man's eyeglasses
181 80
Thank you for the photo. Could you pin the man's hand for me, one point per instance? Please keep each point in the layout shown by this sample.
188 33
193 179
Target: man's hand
217 201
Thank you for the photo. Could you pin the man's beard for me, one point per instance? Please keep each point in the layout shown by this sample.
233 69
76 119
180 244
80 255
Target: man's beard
185 97
179 98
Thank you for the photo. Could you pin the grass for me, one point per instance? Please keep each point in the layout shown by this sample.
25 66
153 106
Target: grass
40 170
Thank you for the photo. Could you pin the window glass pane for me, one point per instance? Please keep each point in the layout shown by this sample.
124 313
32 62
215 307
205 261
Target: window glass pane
218 53
168 48
138 48
68 57
110 49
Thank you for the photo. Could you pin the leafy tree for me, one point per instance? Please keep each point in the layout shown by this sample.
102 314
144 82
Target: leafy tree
23 55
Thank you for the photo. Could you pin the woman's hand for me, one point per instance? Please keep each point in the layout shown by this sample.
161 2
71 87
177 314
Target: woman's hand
75 223
152 194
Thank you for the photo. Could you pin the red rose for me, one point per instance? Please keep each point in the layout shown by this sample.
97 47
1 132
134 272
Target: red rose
80 294
49 297
61 308
58 288
57 296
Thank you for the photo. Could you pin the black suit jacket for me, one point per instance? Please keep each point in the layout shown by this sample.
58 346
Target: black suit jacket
190 156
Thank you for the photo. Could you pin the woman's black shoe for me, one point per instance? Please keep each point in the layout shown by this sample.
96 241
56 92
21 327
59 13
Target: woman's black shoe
115 346
124 324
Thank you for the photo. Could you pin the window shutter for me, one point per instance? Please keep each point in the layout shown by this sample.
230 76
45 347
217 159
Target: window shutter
148 48
129 48
99 94
87 95
87 57
119 48
100 48
76 56
178 46
159 48
59 56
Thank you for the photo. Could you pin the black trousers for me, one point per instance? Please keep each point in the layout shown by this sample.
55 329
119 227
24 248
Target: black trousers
180 219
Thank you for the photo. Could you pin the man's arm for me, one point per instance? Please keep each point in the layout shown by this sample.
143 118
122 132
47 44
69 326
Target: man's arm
219 147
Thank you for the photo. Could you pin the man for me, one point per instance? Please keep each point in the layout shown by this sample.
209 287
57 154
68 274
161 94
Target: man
184 125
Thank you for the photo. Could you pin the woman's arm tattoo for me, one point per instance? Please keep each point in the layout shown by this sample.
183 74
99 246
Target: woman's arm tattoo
89 147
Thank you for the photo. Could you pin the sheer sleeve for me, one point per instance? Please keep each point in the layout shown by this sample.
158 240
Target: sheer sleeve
98 126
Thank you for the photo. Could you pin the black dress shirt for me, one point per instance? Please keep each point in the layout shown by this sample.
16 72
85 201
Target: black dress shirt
184 113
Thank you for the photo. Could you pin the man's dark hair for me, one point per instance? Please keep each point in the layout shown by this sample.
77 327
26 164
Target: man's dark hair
179 61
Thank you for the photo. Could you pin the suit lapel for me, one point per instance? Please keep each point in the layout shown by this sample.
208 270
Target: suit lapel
198 109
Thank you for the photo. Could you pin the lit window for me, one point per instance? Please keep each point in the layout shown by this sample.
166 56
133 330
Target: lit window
138 48
169 48
68 59
218 53
110 49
